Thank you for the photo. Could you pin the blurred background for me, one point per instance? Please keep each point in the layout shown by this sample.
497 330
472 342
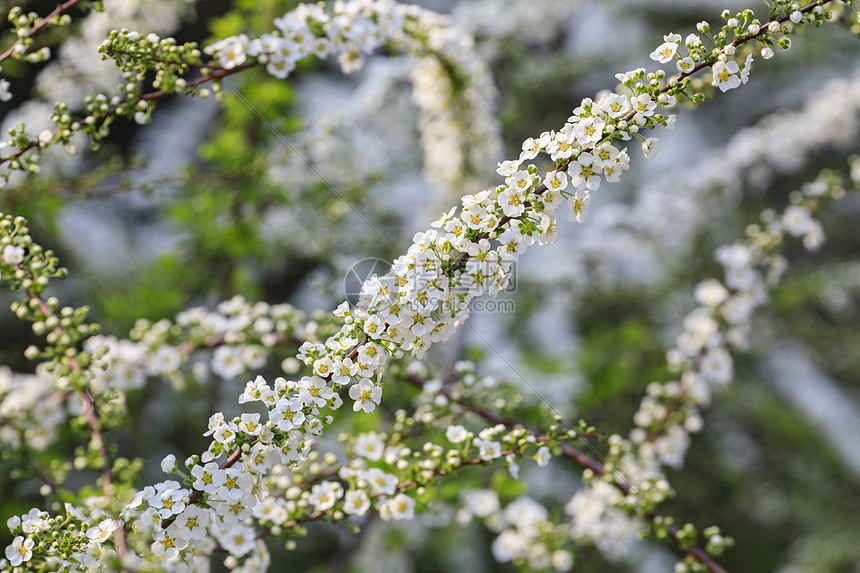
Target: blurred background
207 201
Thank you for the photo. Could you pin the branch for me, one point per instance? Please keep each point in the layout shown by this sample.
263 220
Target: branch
151 96
578 457
44 23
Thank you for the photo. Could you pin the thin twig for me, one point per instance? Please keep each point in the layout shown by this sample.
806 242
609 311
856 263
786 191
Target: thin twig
47 20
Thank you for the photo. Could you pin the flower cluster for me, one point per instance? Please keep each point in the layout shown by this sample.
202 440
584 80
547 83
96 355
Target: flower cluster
84 545
635 241
458 130
670 411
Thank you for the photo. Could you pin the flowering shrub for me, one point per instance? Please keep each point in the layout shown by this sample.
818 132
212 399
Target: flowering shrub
349 417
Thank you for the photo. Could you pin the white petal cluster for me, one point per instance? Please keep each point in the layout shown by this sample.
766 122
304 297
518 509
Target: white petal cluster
669 413
596 519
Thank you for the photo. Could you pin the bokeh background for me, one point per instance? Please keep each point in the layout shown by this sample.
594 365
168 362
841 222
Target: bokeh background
207 202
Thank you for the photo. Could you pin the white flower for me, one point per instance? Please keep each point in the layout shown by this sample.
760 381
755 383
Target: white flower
489 450
314 391
381 483
505 169
237 540
192 523
288 414
250 423
356 502
531 147
584 173
366 395
711 293
254 390
578 206
481 502
746 68
166 545
589 131
400 507
725 75
20 551
456 434
5 94
796 16
370 446
614 105
35 521
716 366
166 360
512 202
733 256
168 464
325 494
672 446
685 65
13 255
644 107
543 456
562 560
508 545
235 486
227 362
231 51
665 52
208 478
605 156
561 146
103 531
651 147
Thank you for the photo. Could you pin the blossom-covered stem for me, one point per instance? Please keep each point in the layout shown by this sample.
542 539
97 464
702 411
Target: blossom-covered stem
43 23
579 458
563 164
90 413
695 551
92 417
569 451
743 40
196 494
107 474
151 96
706 63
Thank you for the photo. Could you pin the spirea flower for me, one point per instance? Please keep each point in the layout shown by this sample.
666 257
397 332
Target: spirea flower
726 75
366 395
19 551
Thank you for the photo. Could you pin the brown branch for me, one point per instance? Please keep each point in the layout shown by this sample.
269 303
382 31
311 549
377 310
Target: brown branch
580 458
106 474
151 96
94 425
44 23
